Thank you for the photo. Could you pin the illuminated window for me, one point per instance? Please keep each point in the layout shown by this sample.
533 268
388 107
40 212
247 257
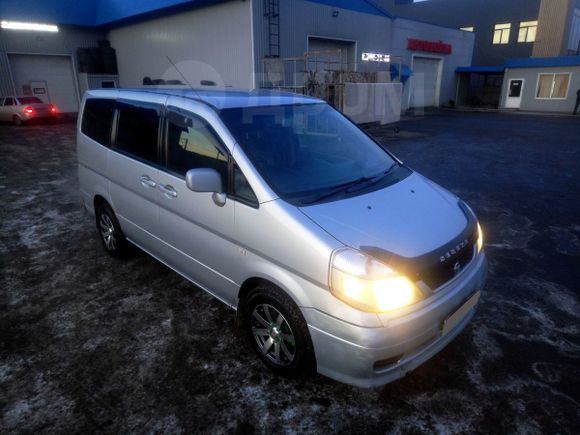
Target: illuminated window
467 29
528 31
501 33
553 86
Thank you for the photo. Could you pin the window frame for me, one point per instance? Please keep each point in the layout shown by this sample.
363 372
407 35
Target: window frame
501 33
115 131
527 29
229 187
113 125
569 74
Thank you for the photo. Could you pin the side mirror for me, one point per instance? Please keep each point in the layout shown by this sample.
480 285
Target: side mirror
206 180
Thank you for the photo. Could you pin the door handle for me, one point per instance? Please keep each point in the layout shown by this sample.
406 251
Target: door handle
168 190
146 181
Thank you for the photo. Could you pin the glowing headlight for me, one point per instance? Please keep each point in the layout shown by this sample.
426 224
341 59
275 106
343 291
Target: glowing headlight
368 284
479 238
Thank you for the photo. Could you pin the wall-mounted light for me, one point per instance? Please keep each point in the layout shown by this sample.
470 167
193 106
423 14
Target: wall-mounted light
335 13
18 25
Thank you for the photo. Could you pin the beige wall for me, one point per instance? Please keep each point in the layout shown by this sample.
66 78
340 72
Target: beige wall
213 43
552 37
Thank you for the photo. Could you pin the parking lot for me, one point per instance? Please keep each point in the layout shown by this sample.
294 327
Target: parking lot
89 343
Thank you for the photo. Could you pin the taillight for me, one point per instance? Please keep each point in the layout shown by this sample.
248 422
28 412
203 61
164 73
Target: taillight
53 108
29 109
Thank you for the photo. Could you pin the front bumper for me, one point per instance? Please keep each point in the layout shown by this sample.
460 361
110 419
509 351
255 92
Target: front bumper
368 357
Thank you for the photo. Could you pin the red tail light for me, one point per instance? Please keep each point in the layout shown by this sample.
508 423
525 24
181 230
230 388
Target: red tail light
29 109
53 108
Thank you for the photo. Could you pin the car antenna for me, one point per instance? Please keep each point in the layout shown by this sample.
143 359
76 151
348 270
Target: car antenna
182 76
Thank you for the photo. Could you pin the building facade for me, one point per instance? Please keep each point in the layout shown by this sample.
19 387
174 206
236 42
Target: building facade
503 29
541 84
226 43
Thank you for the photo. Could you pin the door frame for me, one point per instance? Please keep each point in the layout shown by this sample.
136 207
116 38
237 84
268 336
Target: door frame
507 92
439 78
69 56
330 38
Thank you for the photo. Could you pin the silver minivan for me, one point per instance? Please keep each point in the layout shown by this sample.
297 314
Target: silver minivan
336 256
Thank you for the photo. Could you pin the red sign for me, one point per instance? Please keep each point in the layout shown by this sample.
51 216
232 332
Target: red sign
429 46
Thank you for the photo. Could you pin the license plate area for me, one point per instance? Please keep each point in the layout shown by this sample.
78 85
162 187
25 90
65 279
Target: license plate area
452 321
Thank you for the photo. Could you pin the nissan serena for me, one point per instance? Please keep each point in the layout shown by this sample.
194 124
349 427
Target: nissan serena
337 256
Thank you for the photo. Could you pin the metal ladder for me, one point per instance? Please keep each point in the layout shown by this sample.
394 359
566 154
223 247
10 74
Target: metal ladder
272 12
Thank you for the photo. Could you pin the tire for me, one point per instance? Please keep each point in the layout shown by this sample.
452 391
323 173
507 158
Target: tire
110 232
278 333
16 120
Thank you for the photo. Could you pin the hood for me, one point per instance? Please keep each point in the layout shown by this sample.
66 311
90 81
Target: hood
410 218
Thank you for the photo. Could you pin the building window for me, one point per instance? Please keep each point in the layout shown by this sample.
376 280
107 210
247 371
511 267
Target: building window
467 29
553 86
574 40
501 33
528 31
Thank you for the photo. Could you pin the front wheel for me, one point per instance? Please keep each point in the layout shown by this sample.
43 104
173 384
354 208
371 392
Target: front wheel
278 332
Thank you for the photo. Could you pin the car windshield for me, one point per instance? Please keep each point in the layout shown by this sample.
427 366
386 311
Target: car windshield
29 100
308 153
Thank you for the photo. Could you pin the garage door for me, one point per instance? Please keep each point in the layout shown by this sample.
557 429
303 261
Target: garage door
345 60
55 73
425 82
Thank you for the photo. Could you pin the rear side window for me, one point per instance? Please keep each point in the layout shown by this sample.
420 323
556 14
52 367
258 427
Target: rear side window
9 102
192 144
137 129
30 100
98 120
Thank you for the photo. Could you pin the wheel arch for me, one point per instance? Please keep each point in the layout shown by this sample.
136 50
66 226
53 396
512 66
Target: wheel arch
99 200
282 281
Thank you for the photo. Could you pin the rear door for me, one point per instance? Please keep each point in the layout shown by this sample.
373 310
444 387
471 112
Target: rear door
133 168
198 234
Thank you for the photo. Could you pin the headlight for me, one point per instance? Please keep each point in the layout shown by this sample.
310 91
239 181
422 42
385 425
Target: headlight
369 285
479 238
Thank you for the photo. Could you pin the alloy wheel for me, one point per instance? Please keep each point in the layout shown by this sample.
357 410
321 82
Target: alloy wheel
273 335
107 230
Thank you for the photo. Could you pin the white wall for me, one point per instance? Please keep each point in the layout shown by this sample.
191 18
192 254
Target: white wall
212 43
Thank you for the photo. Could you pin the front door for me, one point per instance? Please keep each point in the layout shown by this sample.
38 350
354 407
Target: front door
514 96
197 233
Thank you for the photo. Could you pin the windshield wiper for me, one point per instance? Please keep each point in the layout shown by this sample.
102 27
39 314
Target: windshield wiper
336 190
374 180
351 186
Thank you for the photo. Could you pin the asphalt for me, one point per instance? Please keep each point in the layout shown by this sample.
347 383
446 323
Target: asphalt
92 344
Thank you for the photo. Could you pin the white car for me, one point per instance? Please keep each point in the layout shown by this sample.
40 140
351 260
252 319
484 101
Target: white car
22 109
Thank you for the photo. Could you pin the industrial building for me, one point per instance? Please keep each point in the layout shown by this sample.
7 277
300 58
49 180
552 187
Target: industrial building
310 46
506 33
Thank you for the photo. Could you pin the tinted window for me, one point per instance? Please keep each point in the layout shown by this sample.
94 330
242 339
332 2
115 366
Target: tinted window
307 151
98 119
30 100
192 144
242 189
8 102
137 130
